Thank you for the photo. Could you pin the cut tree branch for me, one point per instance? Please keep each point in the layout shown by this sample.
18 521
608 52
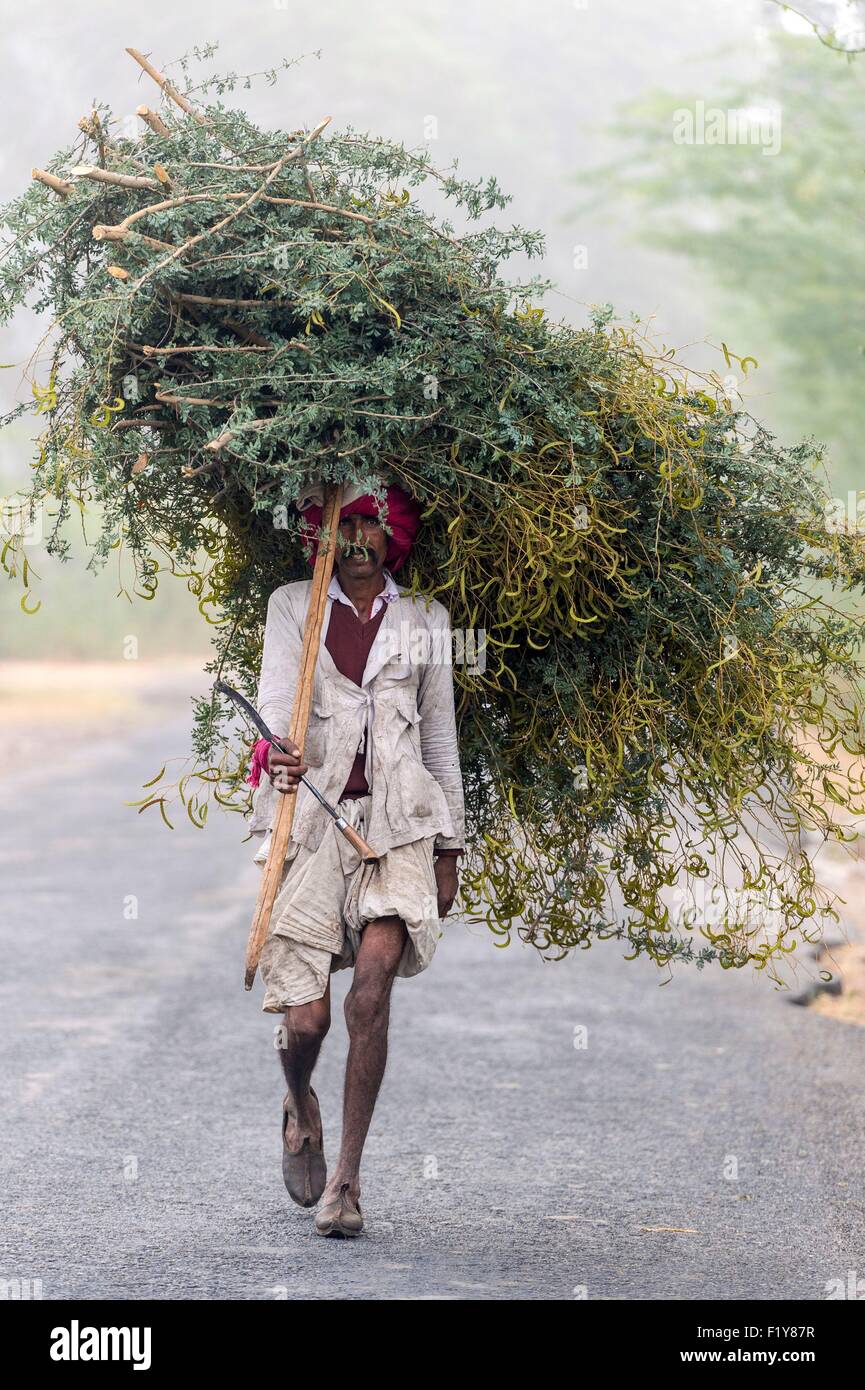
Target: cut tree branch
51 181
226 303
199 347
169 398
92 171
118 233
227 435
248 201
150 118
92 126
170 91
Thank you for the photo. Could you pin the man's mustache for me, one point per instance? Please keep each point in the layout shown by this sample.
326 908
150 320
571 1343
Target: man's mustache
352 548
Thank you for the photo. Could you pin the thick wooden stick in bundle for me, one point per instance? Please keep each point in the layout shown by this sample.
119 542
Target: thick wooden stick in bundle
51 181
92 171
157 125
272 875
162 81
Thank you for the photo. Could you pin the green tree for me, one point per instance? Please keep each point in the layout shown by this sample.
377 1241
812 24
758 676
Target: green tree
779 235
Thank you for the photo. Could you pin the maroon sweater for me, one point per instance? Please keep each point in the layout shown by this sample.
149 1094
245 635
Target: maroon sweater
349 641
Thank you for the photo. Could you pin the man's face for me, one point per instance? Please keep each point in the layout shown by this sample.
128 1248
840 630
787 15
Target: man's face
363 546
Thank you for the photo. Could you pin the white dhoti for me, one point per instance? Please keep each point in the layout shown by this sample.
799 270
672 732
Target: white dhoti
327 896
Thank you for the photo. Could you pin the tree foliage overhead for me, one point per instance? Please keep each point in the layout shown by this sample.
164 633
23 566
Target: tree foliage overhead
234 307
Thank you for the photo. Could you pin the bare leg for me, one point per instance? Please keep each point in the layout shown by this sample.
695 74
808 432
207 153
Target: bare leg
367 1012
306 1026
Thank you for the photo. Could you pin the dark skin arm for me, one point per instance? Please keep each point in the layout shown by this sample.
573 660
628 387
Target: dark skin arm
447 882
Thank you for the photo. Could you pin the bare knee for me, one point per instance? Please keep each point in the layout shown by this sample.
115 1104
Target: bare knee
307 1024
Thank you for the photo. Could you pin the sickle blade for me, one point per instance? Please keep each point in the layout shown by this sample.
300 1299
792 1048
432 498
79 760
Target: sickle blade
250 711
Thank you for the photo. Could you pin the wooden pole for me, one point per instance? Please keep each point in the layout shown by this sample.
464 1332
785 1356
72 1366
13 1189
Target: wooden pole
272 875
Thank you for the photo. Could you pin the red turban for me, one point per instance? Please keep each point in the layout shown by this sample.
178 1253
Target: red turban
403 519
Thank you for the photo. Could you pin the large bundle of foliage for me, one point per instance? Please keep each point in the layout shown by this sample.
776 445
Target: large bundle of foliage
668 675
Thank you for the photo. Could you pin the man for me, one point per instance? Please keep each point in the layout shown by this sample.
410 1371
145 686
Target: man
381 743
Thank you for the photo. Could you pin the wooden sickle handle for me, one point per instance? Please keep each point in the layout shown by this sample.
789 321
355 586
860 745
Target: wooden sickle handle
368 855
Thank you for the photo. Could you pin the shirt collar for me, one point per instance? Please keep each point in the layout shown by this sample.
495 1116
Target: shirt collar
387 595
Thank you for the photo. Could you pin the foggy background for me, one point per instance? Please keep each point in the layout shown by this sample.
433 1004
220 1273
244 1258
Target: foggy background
537 95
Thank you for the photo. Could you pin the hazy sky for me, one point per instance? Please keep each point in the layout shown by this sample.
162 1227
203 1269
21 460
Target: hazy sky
524 91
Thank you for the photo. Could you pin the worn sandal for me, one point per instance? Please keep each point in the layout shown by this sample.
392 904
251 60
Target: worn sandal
305 1172
341 1217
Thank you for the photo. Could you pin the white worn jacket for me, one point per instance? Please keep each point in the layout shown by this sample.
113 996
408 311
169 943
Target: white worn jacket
402 716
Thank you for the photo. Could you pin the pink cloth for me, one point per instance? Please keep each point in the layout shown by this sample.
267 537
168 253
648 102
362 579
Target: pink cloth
403 518
258 765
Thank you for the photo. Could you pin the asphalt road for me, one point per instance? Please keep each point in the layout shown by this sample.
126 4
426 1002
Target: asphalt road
141 1096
